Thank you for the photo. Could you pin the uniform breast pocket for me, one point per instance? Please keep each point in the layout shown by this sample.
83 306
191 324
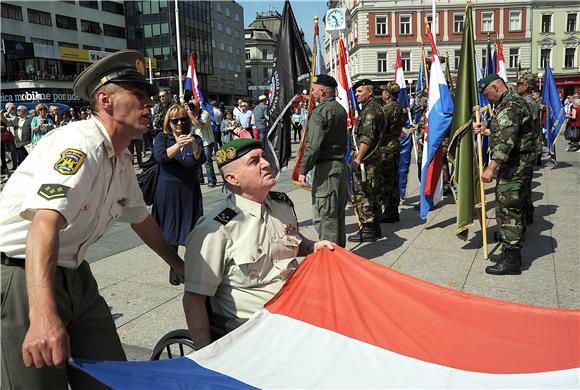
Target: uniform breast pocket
251 269
285 247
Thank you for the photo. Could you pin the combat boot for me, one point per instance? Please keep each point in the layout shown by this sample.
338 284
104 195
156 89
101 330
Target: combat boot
509 265
365 234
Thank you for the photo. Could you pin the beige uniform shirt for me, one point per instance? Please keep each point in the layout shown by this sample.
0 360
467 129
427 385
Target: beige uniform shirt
74 171
242 253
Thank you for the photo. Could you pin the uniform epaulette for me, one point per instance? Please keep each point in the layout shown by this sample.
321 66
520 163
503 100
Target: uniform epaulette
225 216
281 197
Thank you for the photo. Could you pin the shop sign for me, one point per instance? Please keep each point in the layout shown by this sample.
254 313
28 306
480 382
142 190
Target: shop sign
38 95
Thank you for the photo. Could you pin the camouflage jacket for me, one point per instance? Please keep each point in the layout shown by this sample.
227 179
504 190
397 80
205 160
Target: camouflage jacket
394 121
511 137
536 127
369 126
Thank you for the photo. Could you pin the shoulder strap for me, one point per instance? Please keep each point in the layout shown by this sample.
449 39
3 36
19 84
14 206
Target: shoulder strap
225 216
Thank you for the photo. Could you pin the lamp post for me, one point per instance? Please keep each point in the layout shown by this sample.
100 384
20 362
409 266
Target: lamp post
540 75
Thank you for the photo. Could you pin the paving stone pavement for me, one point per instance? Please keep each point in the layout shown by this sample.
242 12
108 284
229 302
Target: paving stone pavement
145 307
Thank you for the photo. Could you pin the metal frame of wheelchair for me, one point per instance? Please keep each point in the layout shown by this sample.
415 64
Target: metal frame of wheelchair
176 343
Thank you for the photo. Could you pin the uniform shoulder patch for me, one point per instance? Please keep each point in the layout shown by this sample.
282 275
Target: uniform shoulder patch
53 191
70 161
225 216
281 197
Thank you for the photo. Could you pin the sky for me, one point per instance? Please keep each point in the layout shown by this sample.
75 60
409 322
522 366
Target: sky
304 11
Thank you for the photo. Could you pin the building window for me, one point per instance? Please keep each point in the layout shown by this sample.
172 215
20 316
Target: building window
220 26
228 30
486 21
238 68
457 59
570 57
237 17
382 62
381 26
429 20
545 55
247 54
405 25
406 59
68 44
42 41
112 7
89 4
89 47
90 27
227 11
10 11
248 73
238 51
219 7
230 49
514 58
458 22
484 59
66 22
515 20
266 75
570 22
113 31
264 54
546 23
39 17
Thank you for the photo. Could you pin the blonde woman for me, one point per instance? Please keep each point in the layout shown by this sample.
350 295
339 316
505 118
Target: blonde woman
41 124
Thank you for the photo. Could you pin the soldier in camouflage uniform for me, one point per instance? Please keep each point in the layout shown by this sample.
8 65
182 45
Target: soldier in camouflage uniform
390 153
512 147
420 127
366 156
524 87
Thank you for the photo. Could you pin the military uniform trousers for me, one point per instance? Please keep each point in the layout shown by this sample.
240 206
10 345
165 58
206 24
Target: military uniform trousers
366 196
85 315
389 184
329 196
508 211
526 196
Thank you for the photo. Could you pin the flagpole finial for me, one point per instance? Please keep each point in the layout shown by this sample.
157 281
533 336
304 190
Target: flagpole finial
315 19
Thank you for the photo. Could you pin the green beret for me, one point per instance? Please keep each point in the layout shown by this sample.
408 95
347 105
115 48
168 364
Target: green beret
325 80
529 79
484 82
235 149
362 83
122 66
392 88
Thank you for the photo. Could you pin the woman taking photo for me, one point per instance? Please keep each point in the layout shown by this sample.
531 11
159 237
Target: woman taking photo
177 205
41 124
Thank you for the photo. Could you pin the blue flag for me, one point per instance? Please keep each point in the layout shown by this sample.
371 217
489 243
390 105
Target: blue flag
555 114
489 68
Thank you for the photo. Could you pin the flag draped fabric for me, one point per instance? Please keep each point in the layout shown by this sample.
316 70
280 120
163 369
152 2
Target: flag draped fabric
439 115
489 67
421 82
344 92
406 138
555 114
191 84
289 67
448 76
331 327
461 147
500 67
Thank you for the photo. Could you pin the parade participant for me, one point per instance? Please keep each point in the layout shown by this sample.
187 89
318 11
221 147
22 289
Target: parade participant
241 253
324 151
512 147
160 110
260 118
390 153
217 126
524 86
68 192
365 161
201 126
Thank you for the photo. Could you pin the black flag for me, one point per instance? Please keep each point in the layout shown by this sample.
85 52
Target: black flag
290 66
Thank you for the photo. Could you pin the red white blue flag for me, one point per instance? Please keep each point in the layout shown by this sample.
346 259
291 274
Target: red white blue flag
342 321
500 68
191 84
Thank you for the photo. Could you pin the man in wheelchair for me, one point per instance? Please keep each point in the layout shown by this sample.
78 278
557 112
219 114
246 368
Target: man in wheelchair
241 253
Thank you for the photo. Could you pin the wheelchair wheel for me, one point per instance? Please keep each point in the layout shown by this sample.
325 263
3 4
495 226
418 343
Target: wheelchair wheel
174 344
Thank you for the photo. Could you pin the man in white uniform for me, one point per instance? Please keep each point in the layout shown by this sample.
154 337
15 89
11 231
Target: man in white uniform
62 199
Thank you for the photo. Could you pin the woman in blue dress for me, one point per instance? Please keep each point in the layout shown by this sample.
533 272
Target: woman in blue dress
178 204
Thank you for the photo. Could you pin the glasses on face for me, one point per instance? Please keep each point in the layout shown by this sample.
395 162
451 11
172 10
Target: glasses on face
183 120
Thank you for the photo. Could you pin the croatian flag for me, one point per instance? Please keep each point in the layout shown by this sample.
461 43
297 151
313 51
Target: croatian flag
331 327
439 115
500 68
344 91
191 84
405 138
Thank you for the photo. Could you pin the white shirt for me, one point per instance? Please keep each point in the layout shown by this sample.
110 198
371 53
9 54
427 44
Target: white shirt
76 173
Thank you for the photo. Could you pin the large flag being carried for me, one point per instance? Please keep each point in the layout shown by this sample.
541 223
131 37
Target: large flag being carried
191 84
555 114
461 146
439 115
331 327
290 66
406 137
500 66
344 92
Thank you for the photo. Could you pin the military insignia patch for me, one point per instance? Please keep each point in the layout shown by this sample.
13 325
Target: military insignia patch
70 161
225 216
281 197
53 191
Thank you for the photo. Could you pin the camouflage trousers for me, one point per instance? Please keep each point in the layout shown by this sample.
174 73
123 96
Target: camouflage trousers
508 212
366 196
388 170
526 195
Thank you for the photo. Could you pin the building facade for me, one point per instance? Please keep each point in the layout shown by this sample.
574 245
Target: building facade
376 28
47 44
556 40
227 81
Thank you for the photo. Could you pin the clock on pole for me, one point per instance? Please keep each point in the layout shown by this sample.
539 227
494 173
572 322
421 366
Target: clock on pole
335 20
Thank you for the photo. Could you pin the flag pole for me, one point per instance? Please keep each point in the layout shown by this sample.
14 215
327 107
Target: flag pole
179 69
483 218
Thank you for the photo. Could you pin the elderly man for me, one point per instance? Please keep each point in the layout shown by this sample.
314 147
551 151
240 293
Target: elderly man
324 151
65 196
260 118
21 130
241 253
244 117
512 148
367 155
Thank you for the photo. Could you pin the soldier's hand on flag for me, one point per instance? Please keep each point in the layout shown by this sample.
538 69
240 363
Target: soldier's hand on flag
355 164
479 128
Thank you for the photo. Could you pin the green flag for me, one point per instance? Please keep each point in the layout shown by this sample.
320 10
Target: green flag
462 146
448 77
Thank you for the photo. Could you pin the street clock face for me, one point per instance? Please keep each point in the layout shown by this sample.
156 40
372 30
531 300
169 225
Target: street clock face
335 19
